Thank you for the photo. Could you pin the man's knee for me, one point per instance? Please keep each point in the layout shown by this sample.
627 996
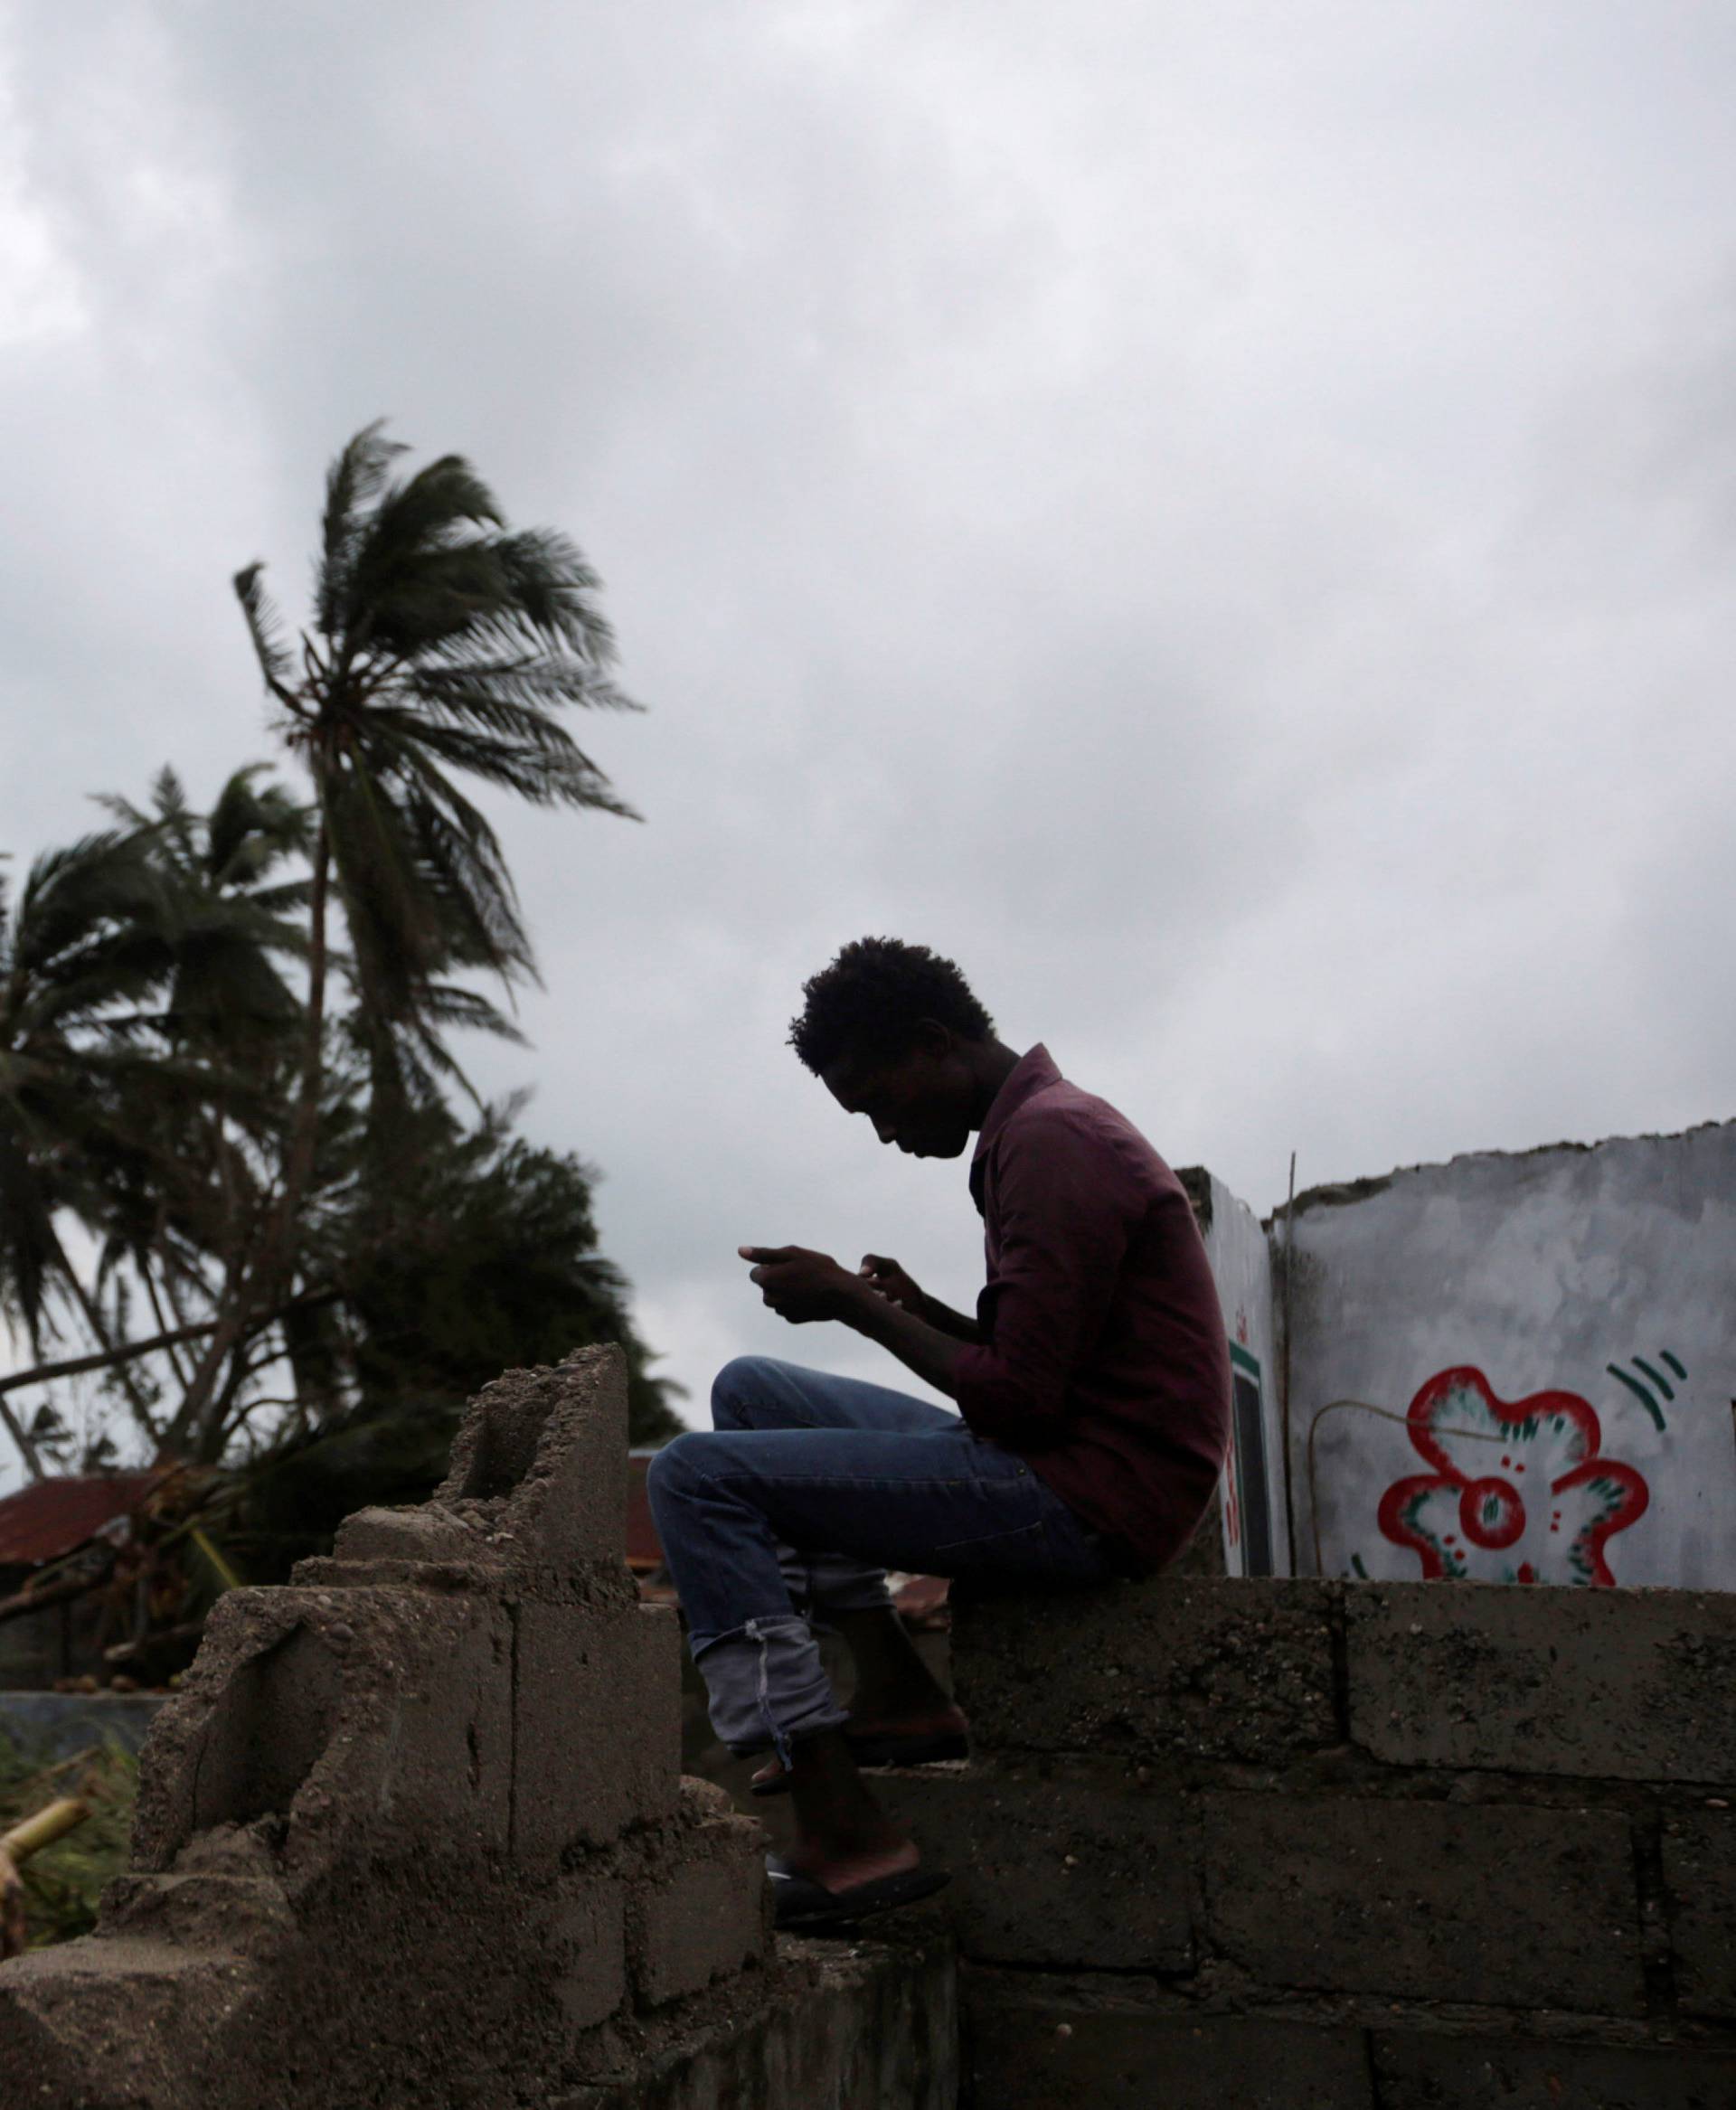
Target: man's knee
735 1388
677 1468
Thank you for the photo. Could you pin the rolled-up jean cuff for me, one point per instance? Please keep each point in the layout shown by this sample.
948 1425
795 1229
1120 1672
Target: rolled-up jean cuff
767 1686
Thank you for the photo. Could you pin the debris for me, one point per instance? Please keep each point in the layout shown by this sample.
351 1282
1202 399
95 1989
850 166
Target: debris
50 1823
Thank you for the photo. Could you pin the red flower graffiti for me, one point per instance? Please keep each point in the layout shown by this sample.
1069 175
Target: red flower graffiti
1518 1493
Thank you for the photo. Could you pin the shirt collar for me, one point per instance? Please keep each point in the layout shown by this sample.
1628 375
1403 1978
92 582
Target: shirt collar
1034 1072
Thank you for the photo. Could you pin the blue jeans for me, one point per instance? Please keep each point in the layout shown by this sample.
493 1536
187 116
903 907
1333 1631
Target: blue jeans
806 1490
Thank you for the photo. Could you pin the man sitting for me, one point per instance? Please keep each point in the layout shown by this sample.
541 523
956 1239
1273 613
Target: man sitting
1092 1386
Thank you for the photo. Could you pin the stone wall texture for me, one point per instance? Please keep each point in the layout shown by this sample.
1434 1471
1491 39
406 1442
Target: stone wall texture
1360 1846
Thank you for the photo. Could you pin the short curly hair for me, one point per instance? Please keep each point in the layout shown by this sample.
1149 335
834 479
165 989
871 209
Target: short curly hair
873 996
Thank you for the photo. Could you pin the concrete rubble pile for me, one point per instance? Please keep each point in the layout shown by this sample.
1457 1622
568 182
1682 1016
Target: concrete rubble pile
413 1831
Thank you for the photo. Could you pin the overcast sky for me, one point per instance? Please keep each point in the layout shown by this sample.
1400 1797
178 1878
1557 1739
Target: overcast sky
1219 516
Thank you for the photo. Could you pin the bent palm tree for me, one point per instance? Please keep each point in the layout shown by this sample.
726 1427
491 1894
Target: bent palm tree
442 643
79 953
191 1192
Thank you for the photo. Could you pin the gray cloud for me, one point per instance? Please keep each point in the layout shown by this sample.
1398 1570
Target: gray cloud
1219 518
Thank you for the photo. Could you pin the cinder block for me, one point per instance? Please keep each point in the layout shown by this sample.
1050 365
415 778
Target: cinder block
1419 2072
231 1915
588 1950
701 1915
1634 1684
596 1708
1699 1875
1509 1907
865 2025
1079 1875
377 1716
540 1462
121 2024
1178 1668
1029 2049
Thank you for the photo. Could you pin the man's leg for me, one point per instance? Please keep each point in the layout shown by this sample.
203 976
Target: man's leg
757 1392
738 1584
895 1692
937 1499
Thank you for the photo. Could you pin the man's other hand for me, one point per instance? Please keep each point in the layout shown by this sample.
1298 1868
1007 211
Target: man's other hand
889 1280
802 1285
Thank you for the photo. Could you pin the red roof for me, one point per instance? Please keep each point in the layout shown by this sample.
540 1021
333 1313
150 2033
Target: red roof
51 1517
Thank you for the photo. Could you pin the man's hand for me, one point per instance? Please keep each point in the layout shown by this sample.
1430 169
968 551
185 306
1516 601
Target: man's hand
802 1285
889 1280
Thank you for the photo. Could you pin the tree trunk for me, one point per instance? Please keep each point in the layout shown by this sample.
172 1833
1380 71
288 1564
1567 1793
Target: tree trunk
74 1366
21 1435
157 1313
253 1286
98 1325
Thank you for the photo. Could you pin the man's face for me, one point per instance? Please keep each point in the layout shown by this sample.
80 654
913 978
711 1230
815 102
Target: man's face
921 1102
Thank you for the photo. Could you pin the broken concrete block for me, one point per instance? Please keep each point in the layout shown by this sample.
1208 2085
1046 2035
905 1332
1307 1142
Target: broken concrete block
596 1711
231 1915
701 1909
588 1950
421 1533
375 1721
535 1493
112 2022
539 1465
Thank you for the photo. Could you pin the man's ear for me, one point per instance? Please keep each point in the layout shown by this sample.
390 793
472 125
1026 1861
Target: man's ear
935 1040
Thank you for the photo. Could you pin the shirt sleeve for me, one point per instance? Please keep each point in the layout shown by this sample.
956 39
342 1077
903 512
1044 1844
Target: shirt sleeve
1066 1205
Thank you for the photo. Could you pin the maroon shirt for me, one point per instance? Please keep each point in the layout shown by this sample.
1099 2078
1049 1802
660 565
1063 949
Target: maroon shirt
1104 1358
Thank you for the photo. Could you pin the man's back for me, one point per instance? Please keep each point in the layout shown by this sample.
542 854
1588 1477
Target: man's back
1104 1358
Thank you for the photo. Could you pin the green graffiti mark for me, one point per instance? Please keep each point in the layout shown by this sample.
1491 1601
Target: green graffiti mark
1675 1366
1657 1376
1356 1565
1640 1392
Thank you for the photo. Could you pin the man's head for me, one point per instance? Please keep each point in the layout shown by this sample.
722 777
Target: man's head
894 1032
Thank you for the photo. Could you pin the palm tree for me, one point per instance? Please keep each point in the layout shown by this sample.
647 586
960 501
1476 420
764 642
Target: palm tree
228 911
80 952
194 1186
442 643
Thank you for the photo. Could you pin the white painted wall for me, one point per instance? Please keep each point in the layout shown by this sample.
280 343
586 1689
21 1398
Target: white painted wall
1241 1266
1540 1271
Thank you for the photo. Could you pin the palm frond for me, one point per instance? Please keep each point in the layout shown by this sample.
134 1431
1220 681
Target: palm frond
450 1003
544 766
265 627
352 484
250 829
416 517
554 587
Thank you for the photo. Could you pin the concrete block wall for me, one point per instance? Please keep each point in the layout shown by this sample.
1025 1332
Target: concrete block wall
414 1833
1363 1846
